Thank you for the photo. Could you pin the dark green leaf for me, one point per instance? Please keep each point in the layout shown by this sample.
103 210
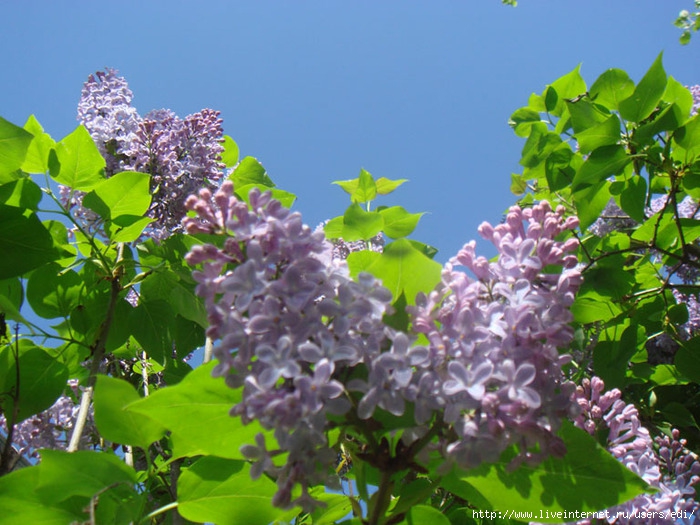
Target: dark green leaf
539 145
11 299
26 243
53 292
559 167
588 478
23 193
117 424
591 201
687 359
647 94
633 198
220 491
230 155
611 88
151 325
14 142
79 163
37 159
41 379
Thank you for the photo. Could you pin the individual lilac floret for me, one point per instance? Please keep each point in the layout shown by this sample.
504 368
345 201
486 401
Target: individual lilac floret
288 318
673 470
494 364
52 427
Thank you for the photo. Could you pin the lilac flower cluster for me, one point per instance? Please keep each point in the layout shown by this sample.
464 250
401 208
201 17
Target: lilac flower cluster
494 367
288 318
181 155
695 91
52 427
290 323
669 466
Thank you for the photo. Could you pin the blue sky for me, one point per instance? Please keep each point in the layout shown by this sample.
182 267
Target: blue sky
317 90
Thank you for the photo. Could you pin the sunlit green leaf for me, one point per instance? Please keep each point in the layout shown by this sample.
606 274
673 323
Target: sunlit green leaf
53 292
359 224
23 193
601 164
366 188
604 134
220 491
126 193
569 86
230 155
37 159
198 398
647 94
14 143
386 186
398 222
611 88
80 163
250 171
117 424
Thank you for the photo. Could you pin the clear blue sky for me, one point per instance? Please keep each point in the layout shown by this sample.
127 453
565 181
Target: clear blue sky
319 89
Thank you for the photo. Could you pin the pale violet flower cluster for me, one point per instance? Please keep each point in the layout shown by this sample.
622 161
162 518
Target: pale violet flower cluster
664 463
306 342
695 91
180 155
288 318
495 368
51 428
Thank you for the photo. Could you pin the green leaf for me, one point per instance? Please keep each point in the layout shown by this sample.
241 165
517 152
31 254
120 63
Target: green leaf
590 202
398 222
539 145
126 228
82 473
26 243
11 299
14 143
53 292
601 164
42 379
585 114
169 287
522 120
518 184
611 88
22 193
422 514
366 188
593 307
633 198
21 504
647 94
286 198
220 491
117 424
80 164
126 193
200 397
687 359
587 479
386 186
359 225
336 507
250 171
677 93
231 154
559 167
349 186
37 159
569 86
151 325
404 269
688 137
334 228
604 134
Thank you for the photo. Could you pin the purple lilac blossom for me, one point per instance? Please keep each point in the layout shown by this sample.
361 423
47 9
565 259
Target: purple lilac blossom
671 469
288 321
494 364
287 317
52 427
695 91
180 155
